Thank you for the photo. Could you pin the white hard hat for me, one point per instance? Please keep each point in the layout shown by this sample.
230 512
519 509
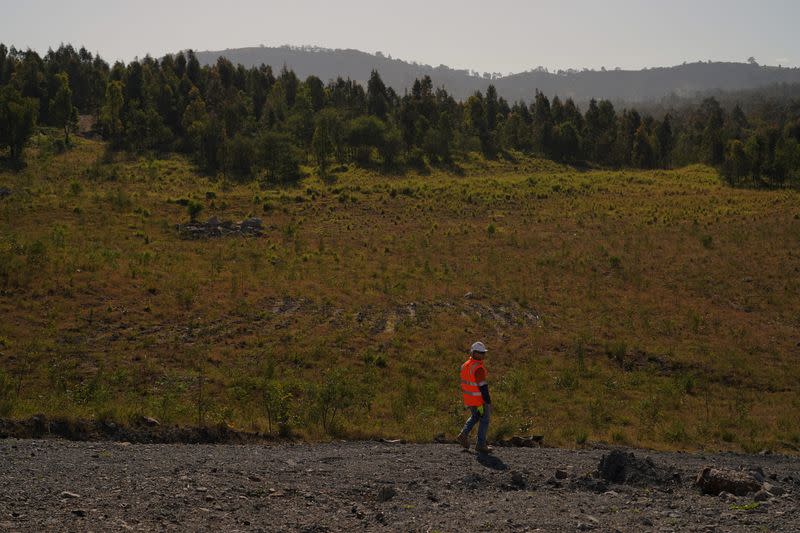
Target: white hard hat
478 347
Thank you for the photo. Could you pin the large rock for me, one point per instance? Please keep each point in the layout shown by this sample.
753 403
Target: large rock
716 480
626 468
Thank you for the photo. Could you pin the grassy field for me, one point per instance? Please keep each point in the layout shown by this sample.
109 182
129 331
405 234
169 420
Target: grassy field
655 308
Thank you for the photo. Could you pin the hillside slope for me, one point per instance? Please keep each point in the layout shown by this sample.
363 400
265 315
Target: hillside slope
655 308
616 85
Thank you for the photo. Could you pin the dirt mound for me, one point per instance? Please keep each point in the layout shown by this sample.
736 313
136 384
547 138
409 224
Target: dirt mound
626 469
142 431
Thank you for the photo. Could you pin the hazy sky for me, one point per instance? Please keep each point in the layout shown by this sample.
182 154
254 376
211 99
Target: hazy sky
495 36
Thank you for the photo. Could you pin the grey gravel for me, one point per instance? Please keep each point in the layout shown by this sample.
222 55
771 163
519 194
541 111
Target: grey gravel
366 486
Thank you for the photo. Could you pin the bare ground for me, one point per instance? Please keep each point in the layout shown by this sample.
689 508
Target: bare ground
372 486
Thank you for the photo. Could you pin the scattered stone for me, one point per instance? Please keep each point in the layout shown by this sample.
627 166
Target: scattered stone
149 422
762 496
757 473
716 480
532 441
251 226
386 493
775 490
518 481
587 483
79 512
474 481
69 495
215 228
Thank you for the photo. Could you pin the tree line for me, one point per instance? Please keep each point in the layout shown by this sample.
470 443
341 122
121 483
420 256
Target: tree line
251 123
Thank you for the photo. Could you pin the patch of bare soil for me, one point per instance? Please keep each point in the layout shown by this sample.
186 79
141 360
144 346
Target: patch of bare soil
383 486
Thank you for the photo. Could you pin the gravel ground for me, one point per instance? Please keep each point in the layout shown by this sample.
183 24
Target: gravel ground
373 486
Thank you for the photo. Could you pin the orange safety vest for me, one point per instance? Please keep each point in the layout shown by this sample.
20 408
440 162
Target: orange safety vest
469 387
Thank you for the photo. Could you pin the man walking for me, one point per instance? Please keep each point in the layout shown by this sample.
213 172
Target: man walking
475 391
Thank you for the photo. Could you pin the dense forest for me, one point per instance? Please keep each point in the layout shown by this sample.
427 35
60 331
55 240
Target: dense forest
257 124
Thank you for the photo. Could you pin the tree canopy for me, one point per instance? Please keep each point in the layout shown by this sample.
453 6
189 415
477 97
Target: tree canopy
249 123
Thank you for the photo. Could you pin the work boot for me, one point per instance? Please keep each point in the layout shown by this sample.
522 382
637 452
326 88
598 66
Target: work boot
483 448
463 440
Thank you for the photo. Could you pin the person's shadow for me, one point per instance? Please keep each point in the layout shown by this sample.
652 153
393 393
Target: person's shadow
491 461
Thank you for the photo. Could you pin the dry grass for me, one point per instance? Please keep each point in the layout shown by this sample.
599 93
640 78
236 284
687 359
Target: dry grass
667 304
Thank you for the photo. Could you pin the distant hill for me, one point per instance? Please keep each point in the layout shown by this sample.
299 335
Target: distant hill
616 85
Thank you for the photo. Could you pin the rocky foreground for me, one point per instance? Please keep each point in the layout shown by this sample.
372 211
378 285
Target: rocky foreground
383 486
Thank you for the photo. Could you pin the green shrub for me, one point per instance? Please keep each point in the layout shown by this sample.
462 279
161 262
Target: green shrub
566 380
194 209
373 359
277 403
676 432
8 394
337 393
649 411
616 352
120 200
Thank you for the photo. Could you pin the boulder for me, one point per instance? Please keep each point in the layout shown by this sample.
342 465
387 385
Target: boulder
625 468
716 480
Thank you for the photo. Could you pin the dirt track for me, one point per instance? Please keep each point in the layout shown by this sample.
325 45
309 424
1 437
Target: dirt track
79 486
